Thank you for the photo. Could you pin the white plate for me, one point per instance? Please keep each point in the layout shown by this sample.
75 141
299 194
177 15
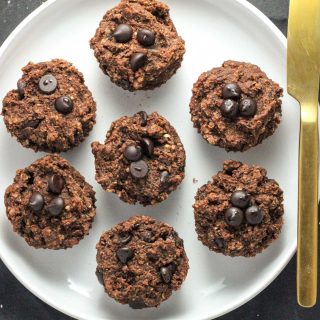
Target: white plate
234 29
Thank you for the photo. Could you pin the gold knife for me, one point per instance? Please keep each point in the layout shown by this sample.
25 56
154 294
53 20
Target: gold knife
303 70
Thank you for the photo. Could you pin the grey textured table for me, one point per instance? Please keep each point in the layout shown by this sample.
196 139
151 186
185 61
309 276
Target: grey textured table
277 302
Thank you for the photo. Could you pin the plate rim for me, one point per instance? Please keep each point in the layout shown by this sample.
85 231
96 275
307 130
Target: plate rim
3 48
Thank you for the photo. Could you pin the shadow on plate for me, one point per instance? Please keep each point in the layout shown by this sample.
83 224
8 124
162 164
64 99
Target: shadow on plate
169 308
128 103
112 210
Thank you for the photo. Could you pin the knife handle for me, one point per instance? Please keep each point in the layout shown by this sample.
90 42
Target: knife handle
308 208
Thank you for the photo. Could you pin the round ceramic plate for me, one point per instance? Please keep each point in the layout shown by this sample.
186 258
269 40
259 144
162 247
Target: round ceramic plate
214 31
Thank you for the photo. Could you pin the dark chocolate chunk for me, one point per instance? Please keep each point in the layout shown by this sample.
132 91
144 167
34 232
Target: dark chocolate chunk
254 215
123 33
20 86
166 274
147 146
56 183
137 304
64 105
147 236
125 238
99 276
36 202
139 169
172 267
124 254
219 242
133 153
234 217
55 207
231 91
48 84
31 123
240 199
144 118
137 61
146 37
230 108
248 107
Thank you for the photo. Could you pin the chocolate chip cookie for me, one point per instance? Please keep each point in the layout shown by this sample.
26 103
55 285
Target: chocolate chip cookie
141 261
137 45
50 204
142 159
51 110
235 106
240 212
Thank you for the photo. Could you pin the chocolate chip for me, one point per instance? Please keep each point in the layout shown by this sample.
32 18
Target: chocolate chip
139 169
123 33
147 146
240 199
137 304
229 170
133 153
48 83
166 274
64 105
125 238
56 183
30 175
230 108
172 267
99 276
248 107
179 241
152 257
56 206
147 236
124 254
36 202
219 242
146 37
31 123
144 118
164 176
137 61
231 91
254 215
234 217
20 86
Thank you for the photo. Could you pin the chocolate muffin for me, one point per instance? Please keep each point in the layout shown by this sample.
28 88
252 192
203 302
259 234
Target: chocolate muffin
141 261
137 45
240 212
235 106
51 110
142 159
50 204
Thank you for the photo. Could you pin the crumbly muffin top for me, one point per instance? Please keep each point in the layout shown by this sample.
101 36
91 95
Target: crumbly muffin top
231 233
141 261
214 111
142 159
137 44
50 204
52 110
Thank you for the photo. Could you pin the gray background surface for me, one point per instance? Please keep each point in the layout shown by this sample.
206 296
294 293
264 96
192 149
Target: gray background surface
277 302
